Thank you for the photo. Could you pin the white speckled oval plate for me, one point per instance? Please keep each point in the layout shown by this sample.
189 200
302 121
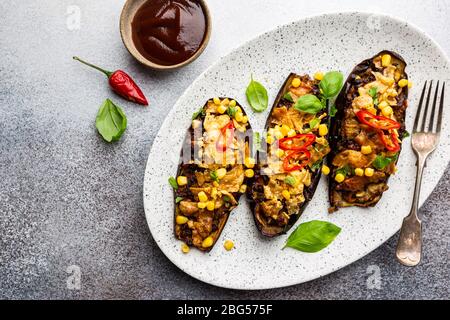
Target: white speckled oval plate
326 42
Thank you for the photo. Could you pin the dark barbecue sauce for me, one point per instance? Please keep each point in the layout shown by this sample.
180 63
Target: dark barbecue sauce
169 32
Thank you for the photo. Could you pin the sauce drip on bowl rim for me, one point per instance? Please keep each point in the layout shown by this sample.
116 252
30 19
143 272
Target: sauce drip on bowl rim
169 32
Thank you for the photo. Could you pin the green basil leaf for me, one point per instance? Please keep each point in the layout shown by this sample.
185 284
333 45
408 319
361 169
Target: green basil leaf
331 84
373 92
288 97
405 134
173 183
382 162
213 175
308 103
312 236
178 199
333 111
196 114
111 122
231 111
313 123
257 96
290 180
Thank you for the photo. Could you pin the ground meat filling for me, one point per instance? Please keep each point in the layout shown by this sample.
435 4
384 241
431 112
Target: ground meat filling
361 162
211 182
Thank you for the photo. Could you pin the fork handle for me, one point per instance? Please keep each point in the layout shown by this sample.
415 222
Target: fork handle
409 247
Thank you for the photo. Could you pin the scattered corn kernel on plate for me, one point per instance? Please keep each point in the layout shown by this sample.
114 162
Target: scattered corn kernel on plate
242 258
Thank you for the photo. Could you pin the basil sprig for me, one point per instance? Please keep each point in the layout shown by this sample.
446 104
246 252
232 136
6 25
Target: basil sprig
312 236
331 84
329 87
373 92
288 97
257 96
382 162
111 122
333 111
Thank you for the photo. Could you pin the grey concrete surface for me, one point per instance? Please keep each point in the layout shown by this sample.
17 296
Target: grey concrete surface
67 198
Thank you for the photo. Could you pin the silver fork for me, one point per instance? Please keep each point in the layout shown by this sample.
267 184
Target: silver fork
424 140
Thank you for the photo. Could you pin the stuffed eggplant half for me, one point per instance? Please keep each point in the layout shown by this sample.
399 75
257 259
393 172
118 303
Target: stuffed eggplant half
366 133
211 175
287 174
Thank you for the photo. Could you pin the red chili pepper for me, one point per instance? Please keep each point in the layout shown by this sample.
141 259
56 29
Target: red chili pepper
300 156
389 141
222 146
377 122
305 141
122 84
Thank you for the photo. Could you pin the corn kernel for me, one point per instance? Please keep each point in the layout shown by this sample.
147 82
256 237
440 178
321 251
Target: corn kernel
228 245
372 110
318 76
238 116
208 242
270 140
410 84
383 104
249 162
323 129
213 193
202 196
201 205
325 170
215 184
359 172
368 172
295 82
286 194
386 60
244 119
249 173
291 133
221 173
185 248
278 134
403 83
181 219
233 103
210 205
285 129
182 180
387 111
226 102
279 153
221 109
216 100
243 188
366 149
339 177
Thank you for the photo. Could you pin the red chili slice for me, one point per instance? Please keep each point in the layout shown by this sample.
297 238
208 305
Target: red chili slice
389 141
305 141
377 122
301 158
222 145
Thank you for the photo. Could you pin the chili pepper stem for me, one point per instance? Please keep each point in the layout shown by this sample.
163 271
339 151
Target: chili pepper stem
107 73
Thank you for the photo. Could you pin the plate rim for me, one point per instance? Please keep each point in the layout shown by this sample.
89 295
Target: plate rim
217 62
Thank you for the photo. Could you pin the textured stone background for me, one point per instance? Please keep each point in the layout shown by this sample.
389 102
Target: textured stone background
68 198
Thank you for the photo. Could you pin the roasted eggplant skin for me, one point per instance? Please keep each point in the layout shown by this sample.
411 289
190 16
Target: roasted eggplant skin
255 194
360 76
203 223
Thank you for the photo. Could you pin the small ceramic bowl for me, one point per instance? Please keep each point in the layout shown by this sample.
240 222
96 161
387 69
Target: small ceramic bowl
129 10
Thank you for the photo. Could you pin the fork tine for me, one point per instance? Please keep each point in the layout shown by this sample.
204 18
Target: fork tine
433 109
425 112
419 110
441 109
